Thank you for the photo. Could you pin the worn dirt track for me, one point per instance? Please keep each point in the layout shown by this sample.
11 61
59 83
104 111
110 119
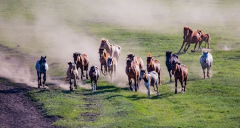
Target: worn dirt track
17 110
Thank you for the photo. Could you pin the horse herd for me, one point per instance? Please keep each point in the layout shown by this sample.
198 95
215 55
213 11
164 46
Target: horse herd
109 57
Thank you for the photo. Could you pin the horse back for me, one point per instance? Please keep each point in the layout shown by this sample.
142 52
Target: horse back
184 70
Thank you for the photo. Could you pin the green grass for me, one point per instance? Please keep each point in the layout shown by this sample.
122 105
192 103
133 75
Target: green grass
208 103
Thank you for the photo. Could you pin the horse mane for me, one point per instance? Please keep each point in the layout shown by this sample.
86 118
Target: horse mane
149 54
104 40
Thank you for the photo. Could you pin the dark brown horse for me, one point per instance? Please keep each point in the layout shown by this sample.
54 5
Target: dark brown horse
180 73
169 59
136 59
204 37
133 72
82 61
103 60
190 37
153 65
94 74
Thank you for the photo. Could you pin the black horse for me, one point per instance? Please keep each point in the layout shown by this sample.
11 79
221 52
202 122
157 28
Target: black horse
169 59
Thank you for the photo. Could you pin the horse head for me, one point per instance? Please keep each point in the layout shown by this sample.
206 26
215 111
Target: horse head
72 66
101 51
143 74
187 31
104 43
75 56
149 61
129 65
130 56
175 64
168 54
93 71
205 56
42 63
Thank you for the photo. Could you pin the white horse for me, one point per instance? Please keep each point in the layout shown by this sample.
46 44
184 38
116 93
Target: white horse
206 60
41 67
113 50
150 79
72 73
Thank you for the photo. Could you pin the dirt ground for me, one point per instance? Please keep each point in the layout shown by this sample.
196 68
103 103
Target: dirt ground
16 109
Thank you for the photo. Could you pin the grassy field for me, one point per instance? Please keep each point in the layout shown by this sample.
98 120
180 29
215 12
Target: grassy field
208 103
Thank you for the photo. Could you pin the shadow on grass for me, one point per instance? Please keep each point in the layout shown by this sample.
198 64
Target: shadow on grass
153 96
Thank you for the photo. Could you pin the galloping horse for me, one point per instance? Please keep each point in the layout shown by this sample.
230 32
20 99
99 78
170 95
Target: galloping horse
136 59
72 73
206 60
153 65
133 72
103 60
113 50
82 61
180 73
94 74
112 66
190 37
204 37
169 59
150 79
41 67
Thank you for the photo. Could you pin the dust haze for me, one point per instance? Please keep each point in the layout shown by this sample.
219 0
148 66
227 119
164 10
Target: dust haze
59 29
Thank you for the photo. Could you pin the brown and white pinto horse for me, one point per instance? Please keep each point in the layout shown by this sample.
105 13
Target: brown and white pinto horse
112 66
103 60
180 73
133 72
82 61
136 59
113 50
190 37
153 65
204 37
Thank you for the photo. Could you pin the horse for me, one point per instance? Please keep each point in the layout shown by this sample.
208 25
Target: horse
94 74
41 67
82 61
206 60
133 72
190 37
103 60
112 66
180 73
150 79
169 59
72 73
113 50
153 65
205 37
136 59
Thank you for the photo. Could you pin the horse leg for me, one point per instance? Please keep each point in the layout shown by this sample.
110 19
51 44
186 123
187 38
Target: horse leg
185 81
170 75
208 72
115 70
96 85
204 74
148 88
208 44
157 88
195 46
38 79
130 83
70 82
44 78
75 83
175 86
181 81
86 74
82 69
181 46
188 47
200 43
92 85
159 78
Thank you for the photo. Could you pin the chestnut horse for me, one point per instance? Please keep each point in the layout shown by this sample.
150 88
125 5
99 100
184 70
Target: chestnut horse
103 60
112 66
205 38
113 50
180 73
190 37
136 59
153 65
169 59
133 72
82 61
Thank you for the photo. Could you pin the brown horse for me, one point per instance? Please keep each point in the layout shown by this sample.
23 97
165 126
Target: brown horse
103 60
136 59
153 65
94 74
133 72
112 66
72 73
113 50
180 73
190 37
169 58
204 37
82 61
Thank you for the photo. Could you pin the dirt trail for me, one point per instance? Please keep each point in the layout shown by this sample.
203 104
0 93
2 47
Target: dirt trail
16 109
